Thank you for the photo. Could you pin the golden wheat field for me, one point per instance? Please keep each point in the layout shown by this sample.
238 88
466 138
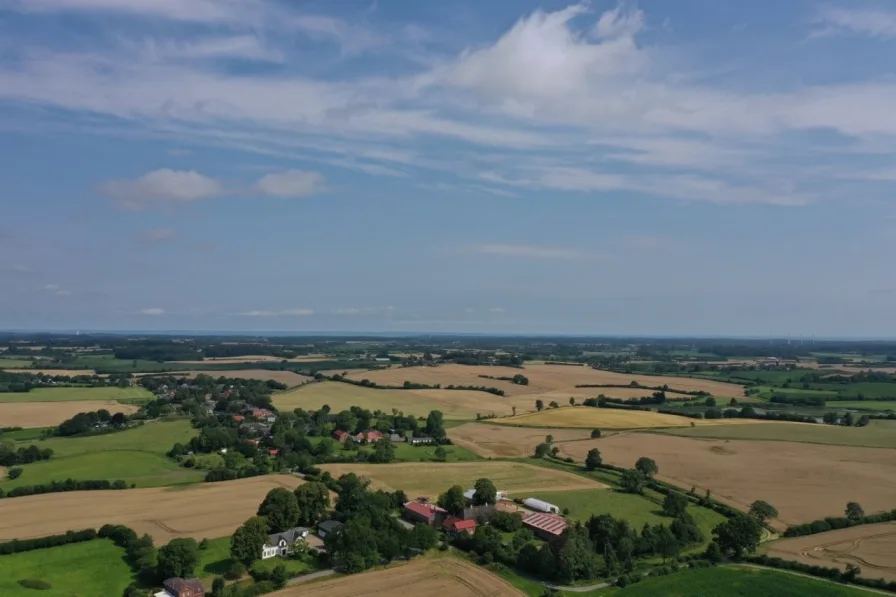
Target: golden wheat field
446 577
205 510
805 482
503 441
48 414
431 480
606 418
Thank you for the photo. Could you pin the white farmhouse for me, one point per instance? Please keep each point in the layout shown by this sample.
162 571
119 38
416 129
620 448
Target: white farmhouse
281 544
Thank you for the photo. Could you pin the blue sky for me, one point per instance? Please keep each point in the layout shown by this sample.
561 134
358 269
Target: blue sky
652 167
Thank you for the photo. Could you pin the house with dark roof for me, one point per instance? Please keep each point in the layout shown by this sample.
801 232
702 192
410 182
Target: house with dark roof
545 526
179 587
329 526
420 511
282 544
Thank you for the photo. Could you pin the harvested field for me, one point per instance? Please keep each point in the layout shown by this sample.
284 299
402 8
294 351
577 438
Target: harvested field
54 372
206 510
501 441
454 404
446 577
431 480
607 418
79 394
871 547
804 482
289 378
49 414
254 358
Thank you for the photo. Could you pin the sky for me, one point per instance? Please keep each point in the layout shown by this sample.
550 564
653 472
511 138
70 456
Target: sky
673 168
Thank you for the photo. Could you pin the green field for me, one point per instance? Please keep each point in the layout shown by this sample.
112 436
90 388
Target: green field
733 582
878 434
872 405
78 570
70 394
215 560
14 363
584 503
136 455
32 433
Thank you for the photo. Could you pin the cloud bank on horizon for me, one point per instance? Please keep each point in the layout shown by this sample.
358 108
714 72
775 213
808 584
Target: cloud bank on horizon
592 167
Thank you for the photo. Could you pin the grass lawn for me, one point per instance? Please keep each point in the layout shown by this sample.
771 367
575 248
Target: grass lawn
214 560
732 582
71 394
23 435
136 455
77 570
14 363
294 566
584 503
878 434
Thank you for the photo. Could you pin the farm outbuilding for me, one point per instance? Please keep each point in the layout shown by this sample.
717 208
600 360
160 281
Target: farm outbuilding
540 506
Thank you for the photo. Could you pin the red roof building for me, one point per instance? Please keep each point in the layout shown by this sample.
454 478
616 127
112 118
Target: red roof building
178 587
239 418
545 526
417 511
340 435
370 436
455 525
273 452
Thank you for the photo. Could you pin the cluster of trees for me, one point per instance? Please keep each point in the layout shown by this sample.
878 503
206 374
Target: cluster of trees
62 486
453 500
88 421
518 379
797 399
489 390
157 350
478 357
9 456
25 382
149 565
846 420
20 545
229 394
850 575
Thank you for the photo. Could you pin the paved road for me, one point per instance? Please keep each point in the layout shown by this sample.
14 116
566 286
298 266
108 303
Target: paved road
312 576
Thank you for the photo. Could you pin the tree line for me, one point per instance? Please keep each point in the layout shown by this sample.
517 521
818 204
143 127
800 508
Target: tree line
63 486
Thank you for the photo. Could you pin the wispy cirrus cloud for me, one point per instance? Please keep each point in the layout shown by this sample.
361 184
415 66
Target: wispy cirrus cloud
871 21
298 312
535 252
153 311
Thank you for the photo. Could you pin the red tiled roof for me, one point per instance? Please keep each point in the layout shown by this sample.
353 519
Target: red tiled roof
341 435
425 510
239 418
452 523
549 523
273 452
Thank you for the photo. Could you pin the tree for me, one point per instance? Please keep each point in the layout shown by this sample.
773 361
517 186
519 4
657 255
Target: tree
675 504
848 420
453 500
713 553
738 535
576 559
218 587
313 500
555 450
667 543
762 511
549 439
485 493
632 481
281 509
247 541
854 511
279 576
539 404
541 450
646 466
710 401
435 425
572 401
179 558
595 433
554 404
593 459
441 454
383 451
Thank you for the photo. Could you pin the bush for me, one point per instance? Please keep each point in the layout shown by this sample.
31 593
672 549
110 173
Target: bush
20 545
14 473
40 585
235 571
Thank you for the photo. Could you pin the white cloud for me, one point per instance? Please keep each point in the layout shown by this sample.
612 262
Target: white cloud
16 268
533 251
51 287
285 313
352 39
153 311
619 22
291 184
179 186
202 11
157 235
245 47
496 310
873 22
346 311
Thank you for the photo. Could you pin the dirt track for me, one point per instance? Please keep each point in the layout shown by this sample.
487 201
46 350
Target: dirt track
871 547
206 510
443 577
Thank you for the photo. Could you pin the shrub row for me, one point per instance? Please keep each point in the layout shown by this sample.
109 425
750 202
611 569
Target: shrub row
839 522
229 474
823 572
20 545
61 486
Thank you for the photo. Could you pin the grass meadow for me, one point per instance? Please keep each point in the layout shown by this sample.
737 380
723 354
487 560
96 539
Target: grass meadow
136 455
732 582
77 394
76 570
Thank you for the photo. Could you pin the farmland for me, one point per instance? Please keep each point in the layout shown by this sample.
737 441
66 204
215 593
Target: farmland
734 582
454 404
543 379
290 378
878 434
872 547
78 570
503 441
514 477
605 418
206 510
77 394
54 372
446 577
782 473
49 414
136 456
